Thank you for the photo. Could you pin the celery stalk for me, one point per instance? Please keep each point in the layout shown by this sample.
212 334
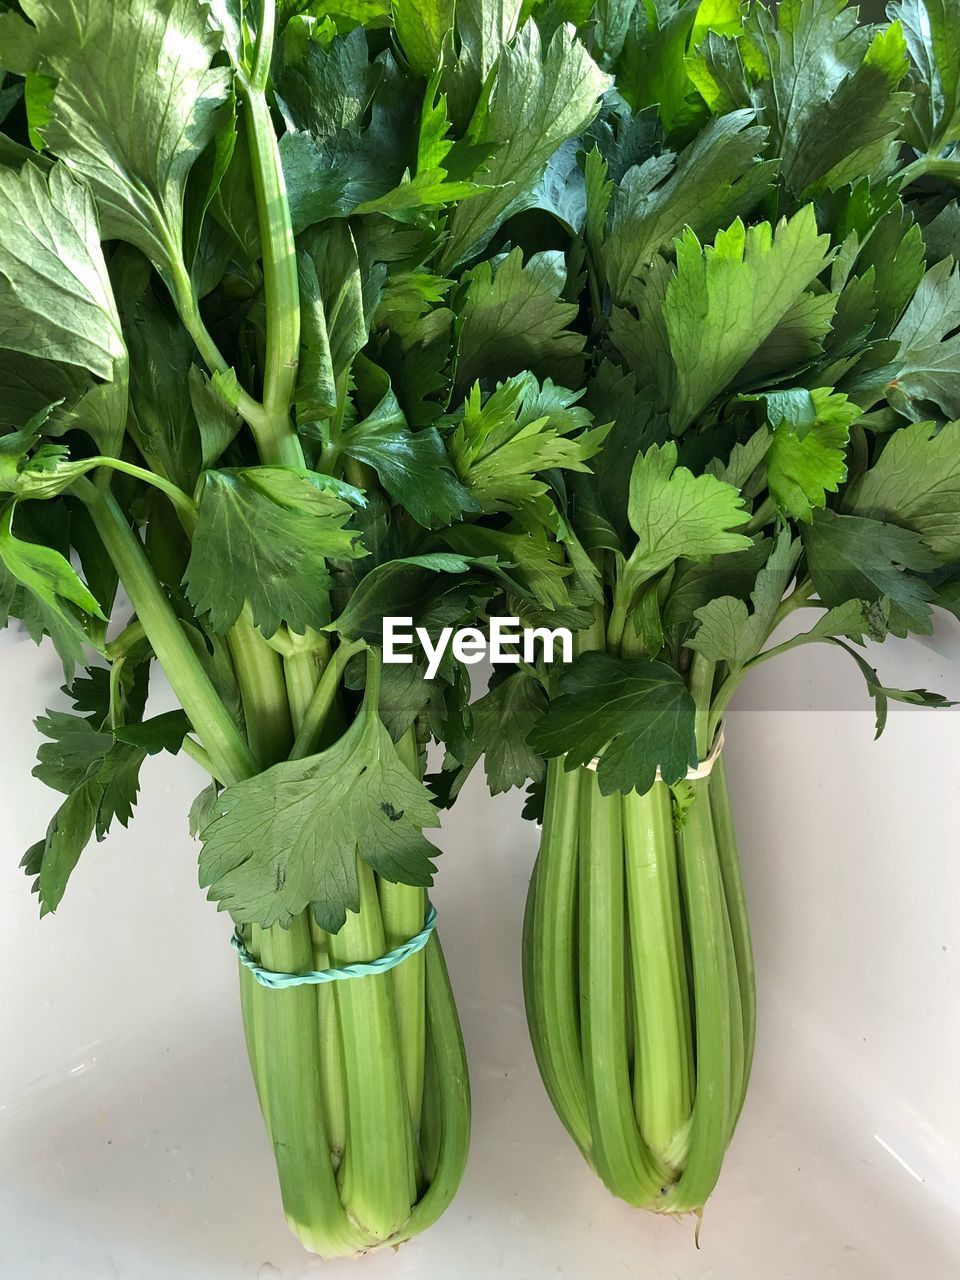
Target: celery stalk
377 1179
620 1156
549 960
704 906
287 1037
663 1072
402 910
638 974
737 915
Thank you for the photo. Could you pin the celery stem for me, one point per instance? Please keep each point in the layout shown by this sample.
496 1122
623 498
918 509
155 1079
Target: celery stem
663 1072
277 440
549 956
702 675
377 1178
621 1157
210 719
322 700
402 909
704 909
263 692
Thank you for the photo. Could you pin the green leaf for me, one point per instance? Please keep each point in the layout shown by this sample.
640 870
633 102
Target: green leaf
290 837
675 513
612 394
99 771
501 723
75 751
53 860
160 419
502 443
915 483
263 536
47 575
205 180
695 584
633 714
512 318
416 193
56 301
413 467
234 204
217 422
717 178
535 102
352 126
203 810
155 54
562 191
421 27
68 639
853 558
807 462
651 67
856 619
164 732
942 234
797 339
333 314
119 777
745 457
29 386
717 68
724 301
932 34
482 29
727 632
927 368
883 695
695 329
406 694
532 565
828 91
894 250
396 588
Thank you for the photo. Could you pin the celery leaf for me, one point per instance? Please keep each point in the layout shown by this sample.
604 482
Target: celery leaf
634 714
855 558
135 104
263 535
513 318
536 101
290 837
675 513
915 483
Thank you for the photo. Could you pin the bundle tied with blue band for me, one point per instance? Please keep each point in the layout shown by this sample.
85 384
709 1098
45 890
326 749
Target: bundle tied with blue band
280 981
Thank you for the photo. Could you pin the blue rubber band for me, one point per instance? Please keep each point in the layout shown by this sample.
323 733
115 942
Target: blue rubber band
278 981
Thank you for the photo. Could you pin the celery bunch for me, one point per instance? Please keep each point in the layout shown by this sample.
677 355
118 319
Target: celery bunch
761 229
246 300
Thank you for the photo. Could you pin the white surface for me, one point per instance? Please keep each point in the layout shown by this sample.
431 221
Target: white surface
130 1140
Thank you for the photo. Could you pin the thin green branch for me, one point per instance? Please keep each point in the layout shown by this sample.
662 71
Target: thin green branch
183 503
276 438
764 514
131 635
191 684
193 749
320 704
181 290
702 674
